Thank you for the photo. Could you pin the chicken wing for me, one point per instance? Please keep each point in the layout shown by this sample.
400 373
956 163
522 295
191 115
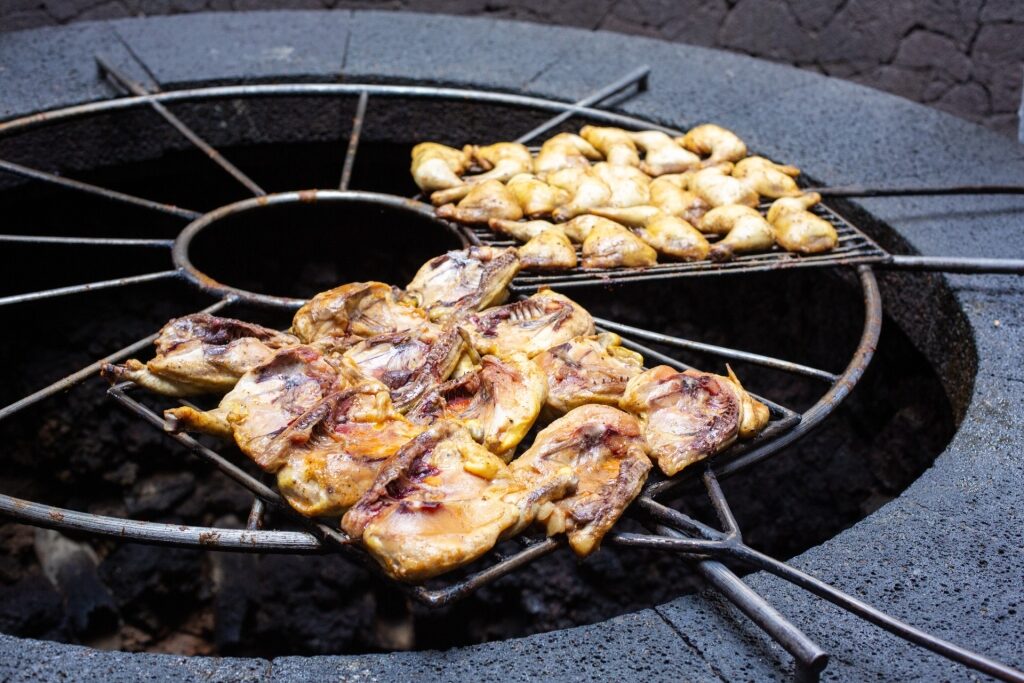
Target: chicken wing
615 144
464 280
549 250
498 402
799 230
716 187
332 453
358 309
767 178
670 198
687 416
529 326
720 143
610 245
590 369
483 201
662 154
669 235
604 447
535 197
565 150
201 353
437 167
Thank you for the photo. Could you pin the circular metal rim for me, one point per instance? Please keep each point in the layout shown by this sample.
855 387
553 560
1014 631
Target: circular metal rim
180 250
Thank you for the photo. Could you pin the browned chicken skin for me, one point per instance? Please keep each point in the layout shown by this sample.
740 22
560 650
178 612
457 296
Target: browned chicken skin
483 201
464 280
604 448
799 230
589 369
610 245
535 197
767 178
668 235
719 143
437 167
529 326
358 309
548 250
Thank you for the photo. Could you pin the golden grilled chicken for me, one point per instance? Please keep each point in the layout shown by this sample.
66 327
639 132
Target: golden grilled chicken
579 227
483 201
586 188
266 400
437 167
498 402
464 280
722 219
605 449
358 309
629 185
687 416
615 144
332 453
748 232
799 230
787 204
670 198
524 231
565 150
442 501
669 235
589 369
662 154
529 326
610 245
720 144
549 250
767 178
201 353
716 187
501 161
535 197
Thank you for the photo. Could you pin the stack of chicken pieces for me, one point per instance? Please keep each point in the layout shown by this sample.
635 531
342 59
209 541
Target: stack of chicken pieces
627 198
401 410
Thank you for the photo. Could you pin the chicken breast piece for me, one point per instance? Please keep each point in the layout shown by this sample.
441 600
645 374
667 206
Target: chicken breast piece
200 354
549 250
688 416
604 447
498 402
333 452
610 245
464 280
357 309
590 369
529 326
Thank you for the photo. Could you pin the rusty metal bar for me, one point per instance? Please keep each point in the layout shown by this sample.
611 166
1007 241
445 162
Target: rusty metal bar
88 287
353 141
255 520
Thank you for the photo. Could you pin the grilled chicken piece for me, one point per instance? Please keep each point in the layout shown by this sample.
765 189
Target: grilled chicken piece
670 198
498 402
529 326
720 143
201 353
358 309
535 197
716 187
722 219
591 369
687 416
442 501
266 400
799 230
669 235
549 250
662 154
437 167
332 453
565 150
524 231
502 160
610 245
615 144
630 186
483 201
464 280
586 188
749 232
767 178
787 204
604 447
578 228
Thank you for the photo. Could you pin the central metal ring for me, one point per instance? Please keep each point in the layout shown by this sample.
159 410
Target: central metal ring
180 251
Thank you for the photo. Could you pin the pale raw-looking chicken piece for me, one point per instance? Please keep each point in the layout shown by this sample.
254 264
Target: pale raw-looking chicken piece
332 453
719 143
200 354
747 231
605 449
498 402
586 188
630 186
464 280
662 154
535 197
669 235
610 245
441 502
529 326
549 250
615 144
565 150
675 201
716 187
799 230
524 231
408 364
591 369
483 201
690 415
358 309
437 167
767 178
265 401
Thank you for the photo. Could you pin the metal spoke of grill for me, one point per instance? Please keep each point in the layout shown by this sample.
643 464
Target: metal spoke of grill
86 241
353 141
87 287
